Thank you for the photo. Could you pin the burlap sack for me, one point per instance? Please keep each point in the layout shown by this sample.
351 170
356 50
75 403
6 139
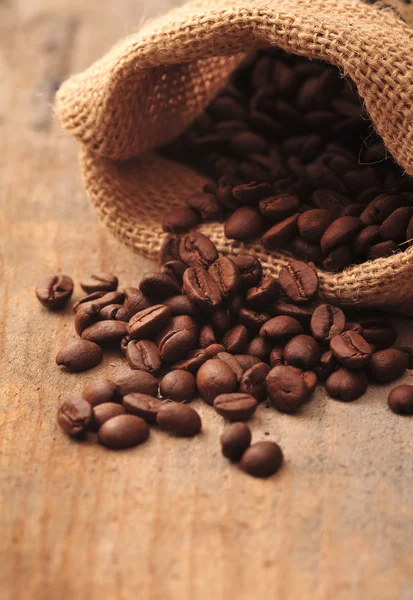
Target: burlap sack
149 87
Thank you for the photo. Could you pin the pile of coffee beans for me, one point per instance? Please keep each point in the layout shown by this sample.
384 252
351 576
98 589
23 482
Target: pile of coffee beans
216 327
294 160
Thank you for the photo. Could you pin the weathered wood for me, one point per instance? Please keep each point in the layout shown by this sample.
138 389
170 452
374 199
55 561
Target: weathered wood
171 519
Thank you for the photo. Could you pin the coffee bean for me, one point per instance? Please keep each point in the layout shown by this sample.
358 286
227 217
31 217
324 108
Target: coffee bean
338 259
278 235
85 317
246 143
220 320
105 411
74 416
232 362
281 329
400 400
136 381
236 406
326 322
381 334
339 232
54 291
395 226
169 250
100 391
175 269
123 431
79 355
197 250
105 332
225 185
366 238
235 304
278 208
262 296
179 419
260 347
245 223
310 379
301 313
262 459
388 365
253 381
354 326
201 288
252 193
175 344
226 274
276 356
213 378
134 304
347 385
181 305
178 385
99 300
143 355
352 210
148 322
143 406
108 313
252 319
250 269
287 389
206 336
181 219
329 200
351 349
302 351
124 344
380 208
193 362
235 440
99 282
409 353
158 286
205 204
214 349
298 281
382 249
130 291
313 223
326 365
236 340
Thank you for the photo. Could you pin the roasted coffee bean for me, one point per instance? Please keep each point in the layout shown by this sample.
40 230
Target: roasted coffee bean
280 234
381 334
352 210
124 344
298 281
175 343
252 319
262 459
351 349
201 288
388 365
225 185
338 259
395 226
329 200
181 219
276 356
252 193
123 431
213 378
235 440
85 317
130 291
178 385
197 250
226 274
250 269
79 355
133 304
236 340
99 282
205 204
206 336
326 365
136 381
179 419
192 363
100 391
278 208
307 251
301 313
143 355
262 296
340 232
400 400
175 269
108 313
236 406
74 416
245 143
169 250
244 224
253 381
382 249
366 238
353 326
302 351
158 286
104 412
409 353
220 320
143 406
347 385
281 329
326 322
313 223
232 362
148 322
105 332
181 305
260 347
287 389
380 208
99 300
235 304
54 291
311 380
214 349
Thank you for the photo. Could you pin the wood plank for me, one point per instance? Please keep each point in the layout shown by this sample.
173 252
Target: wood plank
172 519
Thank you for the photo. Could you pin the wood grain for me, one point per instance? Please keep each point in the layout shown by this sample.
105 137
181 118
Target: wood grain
172 519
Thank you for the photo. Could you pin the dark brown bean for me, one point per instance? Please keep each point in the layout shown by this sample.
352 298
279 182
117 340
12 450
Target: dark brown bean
287 389
278 235
214 349
181 219
409 353
108 313
326 322
143 355
232 362
105 332
205 204
329 200
250 269
181 305
148 322
246 143
74 416
123 431
281 329
301 313
262 459
235 406
124 344
338 259
235 440
253 381
197 250
354 326
366 238
276 356
395 226
143 406
79 355
175 269
236 339
100 391
252 193
85 317
252 319
134 304
169 250
299 281
277 208
192 363
206 336
351 349
105 411
311 380
99 282
245 223
130 291
136 381
179 419
178 385
213 378
302 351
400 400
381 334
388 365
99 300
260 347
226 274
347 385
201 288
158 286
382 249
54 291
262 296
339 232
380 208
313 223
220 320
326 365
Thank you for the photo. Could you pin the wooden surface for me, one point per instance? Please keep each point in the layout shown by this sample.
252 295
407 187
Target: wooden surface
172 519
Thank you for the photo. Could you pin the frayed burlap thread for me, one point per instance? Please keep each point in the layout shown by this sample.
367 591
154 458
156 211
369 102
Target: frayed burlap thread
150 87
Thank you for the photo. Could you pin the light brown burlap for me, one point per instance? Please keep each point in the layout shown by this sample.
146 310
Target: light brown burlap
149 88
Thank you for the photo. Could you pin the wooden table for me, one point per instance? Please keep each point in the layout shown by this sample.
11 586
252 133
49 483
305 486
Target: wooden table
172 519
